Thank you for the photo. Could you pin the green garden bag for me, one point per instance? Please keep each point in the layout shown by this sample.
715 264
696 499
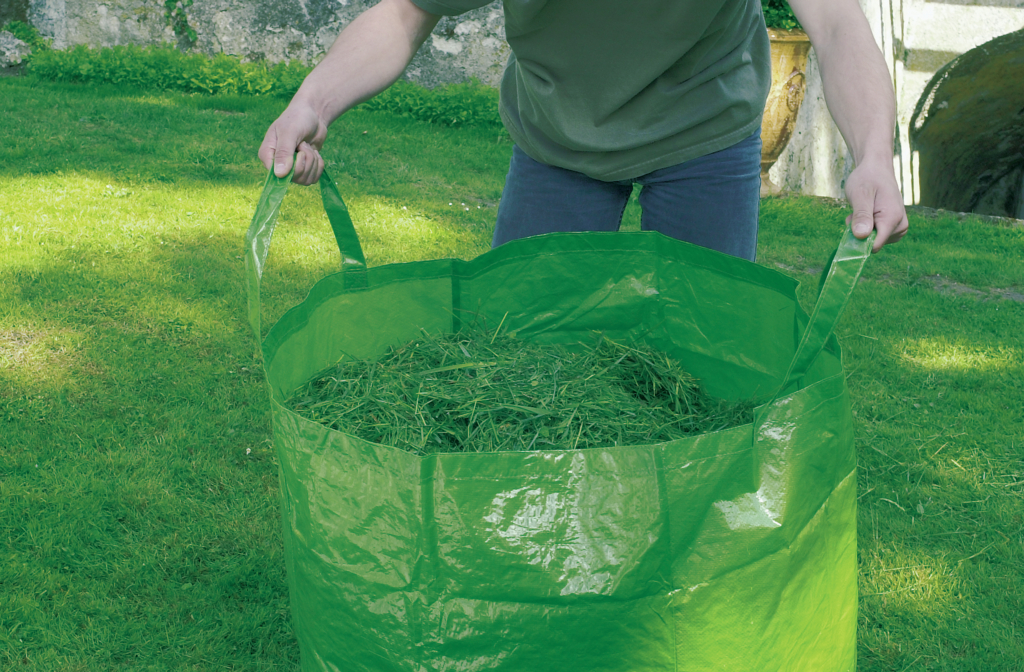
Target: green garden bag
733 550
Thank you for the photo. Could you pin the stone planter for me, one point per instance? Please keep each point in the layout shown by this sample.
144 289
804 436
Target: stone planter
789 62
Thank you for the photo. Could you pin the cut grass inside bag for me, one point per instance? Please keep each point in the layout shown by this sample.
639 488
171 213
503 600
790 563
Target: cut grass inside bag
477 391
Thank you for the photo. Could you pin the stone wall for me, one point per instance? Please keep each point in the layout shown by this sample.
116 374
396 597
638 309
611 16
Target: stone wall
12 52
13 10
471 45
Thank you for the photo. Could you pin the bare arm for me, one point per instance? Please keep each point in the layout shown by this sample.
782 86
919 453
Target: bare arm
860 98
366 58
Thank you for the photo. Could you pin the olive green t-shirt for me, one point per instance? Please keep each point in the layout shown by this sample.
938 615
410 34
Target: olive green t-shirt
619 88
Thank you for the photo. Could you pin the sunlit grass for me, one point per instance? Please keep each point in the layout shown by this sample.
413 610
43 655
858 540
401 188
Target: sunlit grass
941 355
42 358
389 231
915 583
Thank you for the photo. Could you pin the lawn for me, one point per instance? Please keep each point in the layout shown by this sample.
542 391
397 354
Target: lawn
138 486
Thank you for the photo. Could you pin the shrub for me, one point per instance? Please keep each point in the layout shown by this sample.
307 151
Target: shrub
777 14
468 104
165 68
161 68
27 34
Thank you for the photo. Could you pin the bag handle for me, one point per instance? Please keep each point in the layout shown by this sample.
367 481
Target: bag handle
835 286
261 230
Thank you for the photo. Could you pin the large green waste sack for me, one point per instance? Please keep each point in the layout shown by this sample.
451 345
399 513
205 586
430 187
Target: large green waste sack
734 550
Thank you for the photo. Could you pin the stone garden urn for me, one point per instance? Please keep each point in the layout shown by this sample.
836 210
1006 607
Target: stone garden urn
789 62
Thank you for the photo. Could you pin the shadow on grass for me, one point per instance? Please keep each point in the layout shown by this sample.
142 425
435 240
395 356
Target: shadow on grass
935 380
941 483
136 432
142 514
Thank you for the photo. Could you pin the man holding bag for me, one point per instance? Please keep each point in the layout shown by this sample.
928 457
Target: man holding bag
601 94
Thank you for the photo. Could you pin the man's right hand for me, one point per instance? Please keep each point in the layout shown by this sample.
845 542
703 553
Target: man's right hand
366 58
297 134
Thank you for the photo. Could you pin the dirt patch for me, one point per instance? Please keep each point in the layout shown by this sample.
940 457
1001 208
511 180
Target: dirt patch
1009 294
36 352
921 211
15 345
937 282
793 269
952 288
935 213
12 70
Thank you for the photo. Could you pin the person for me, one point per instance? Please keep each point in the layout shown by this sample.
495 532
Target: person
600 94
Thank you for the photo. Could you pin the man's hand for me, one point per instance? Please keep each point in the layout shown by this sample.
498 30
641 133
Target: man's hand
860 96
298 129
364 60
877 204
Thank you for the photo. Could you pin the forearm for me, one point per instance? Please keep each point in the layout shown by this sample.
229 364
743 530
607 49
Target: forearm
859 95
367 57
858 90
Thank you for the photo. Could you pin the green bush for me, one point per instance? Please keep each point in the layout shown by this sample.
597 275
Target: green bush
167 69
777 14
468 104
27 34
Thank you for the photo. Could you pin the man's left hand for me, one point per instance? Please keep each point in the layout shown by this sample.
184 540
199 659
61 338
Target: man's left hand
877 204
860 96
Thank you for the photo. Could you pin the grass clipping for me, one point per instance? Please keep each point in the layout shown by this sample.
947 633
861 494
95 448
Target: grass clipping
474 391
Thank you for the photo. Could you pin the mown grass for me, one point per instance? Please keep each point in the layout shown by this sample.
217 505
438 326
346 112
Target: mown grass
482 390
138 488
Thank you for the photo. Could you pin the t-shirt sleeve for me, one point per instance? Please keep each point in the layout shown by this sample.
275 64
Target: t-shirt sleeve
449 7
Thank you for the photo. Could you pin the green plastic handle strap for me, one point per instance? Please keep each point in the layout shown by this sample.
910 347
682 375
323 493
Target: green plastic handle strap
835 286
257 238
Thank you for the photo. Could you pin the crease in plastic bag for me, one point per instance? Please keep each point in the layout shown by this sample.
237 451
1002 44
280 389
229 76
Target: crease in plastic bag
734 550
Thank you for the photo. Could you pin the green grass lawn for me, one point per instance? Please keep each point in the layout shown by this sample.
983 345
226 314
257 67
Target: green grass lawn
139 525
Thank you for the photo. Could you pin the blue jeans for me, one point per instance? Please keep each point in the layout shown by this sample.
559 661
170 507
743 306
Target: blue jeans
710 201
